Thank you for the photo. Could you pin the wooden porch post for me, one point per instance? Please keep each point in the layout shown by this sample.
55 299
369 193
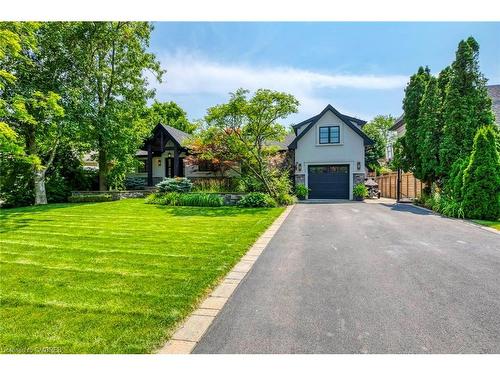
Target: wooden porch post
150 165
176 162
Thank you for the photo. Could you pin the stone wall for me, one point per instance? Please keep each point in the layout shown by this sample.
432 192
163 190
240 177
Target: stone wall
116 195
358 178
300 179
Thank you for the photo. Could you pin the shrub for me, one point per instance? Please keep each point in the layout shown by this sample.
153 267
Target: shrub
301 191
481 178
134 183
285 199
257 199
201 200
250 184
177 184
215 185
190 199
90 198
360 191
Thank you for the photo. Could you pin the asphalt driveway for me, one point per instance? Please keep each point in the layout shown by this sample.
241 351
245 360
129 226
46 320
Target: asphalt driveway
354 277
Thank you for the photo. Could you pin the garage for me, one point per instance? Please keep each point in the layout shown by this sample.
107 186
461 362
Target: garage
328 181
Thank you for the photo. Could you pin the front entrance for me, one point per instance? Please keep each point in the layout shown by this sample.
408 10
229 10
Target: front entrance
169 167
328 181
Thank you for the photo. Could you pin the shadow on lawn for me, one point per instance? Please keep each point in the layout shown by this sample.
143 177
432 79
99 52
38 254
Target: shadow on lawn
12 219
210 211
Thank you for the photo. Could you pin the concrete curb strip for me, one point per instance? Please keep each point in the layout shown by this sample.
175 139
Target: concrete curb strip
193 328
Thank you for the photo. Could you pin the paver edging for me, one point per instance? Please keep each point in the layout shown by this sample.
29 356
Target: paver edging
192 329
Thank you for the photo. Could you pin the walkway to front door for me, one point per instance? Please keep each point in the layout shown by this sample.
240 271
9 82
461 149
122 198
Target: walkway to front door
354 277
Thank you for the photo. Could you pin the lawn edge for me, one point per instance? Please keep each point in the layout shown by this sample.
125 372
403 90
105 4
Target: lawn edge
193 327
465 221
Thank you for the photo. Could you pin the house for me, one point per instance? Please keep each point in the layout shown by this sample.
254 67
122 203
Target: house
493 92
328 153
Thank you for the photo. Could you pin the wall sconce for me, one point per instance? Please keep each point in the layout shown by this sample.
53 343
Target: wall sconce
358 165
300 167
169 154
159 162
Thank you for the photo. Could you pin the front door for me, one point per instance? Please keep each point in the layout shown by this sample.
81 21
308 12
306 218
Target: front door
169 167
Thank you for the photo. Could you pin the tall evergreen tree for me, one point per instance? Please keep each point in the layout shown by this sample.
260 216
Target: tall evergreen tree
414 93
481 179
467 105
429 131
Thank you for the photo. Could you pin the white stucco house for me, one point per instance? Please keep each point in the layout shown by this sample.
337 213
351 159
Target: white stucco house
328 153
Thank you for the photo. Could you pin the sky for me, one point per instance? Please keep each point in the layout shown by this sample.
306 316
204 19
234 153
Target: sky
359 68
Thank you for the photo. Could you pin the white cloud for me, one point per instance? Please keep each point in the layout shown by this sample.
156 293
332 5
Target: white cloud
192 74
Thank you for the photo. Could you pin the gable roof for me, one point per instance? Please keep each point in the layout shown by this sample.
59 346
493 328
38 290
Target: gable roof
349 121
398 123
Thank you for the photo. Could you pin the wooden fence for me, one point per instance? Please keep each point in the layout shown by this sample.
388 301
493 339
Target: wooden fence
410 186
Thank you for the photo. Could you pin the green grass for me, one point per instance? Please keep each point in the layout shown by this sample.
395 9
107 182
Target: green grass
112 277
492 224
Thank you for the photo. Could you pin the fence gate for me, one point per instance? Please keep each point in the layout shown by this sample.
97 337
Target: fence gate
410 186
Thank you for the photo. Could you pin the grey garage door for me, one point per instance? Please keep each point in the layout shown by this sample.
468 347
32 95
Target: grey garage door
328 181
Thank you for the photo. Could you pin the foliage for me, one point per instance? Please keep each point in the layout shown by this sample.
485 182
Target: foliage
481 178
301 191
187 199
90 198
378 131
177 184
209 145
257 199
467 105
442 204
243 131
414 93
167 199
111 60
134 183
429 123
16 182
126 266
360 190
215 185
285 199
171 114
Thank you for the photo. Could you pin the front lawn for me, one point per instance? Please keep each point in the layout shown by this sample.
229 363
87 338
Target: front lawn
112 277
491 224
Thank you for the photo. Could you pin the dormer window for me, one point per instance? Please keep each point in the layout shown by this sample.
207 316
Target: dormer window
329 135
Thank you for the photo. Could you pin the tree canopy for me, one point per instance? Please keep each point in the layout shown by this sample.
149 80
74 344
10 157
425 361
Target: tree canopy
378 131
170 113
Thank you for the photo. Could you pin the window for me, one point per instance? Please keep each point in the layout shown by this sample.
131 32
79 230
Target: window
329 134
205 166
143 166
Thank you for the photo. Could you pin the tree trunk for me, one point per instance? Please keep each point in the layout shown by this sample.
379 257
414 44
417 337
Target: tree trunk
40 194
103 163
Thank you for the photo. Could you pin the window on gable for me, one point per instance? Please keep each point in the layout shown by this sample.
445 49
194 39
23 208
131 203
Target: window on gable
329 134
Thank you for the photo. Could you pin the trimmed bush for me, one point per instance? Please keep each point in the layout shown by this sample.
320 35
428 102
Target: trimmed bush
481 179
90 198
177 184
257 199
134 183
189 199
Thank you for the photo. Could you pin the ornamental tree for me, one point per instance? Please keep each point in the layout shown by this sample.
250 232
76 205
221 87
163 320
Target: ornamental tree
247 127
481 178
378 131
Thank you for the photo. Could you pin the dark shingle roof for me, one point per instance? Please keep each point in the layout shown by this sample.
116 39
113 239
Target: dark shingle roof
178 135
398 123
494 93
283 145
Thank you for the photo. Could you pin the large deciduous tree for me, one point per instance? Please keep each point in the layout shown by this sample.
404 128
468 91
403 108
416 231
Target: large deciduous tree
170 113
247 127
467 106
113 62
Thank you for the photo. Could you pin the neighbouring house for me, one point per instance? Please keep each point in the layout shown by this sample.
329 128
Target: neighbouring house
493 92
327 150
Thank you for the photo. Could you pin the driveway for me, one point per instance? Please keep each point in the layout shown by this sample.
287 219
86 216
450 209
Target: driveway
353 277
